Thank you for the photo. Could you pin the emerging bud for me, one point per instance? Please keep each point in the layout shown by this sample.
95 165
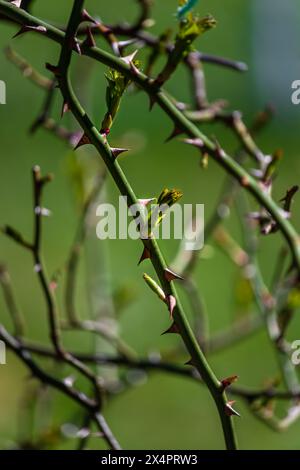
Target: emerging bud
87 17
84 140
65 108
145 255
89 40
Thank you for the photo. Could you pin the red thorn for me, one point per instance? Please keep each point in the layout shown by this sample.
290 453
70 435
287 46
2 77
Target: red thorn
229 380
117 151
89 40
53 68
84 140
65 108
229 410
176 132
145 202
105 132
171 276
171 302
26 29
74 45
87 17
173 329
145 255
152 102
53 286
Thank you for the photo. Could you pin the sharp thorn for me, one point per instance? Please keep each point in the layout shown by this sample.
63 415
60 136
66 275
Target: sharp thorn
117 151
171 303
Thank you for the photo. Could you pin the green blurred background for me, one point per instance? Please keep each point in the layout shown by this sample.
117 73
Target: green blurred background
162 412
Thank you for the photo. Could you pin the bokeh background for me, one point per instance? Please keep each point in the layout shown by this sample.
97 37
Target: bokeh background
161 411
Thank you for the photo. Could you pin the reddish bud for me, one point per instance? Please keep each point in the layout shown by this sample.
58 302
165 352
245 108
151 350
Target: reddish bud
87 17
195 142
